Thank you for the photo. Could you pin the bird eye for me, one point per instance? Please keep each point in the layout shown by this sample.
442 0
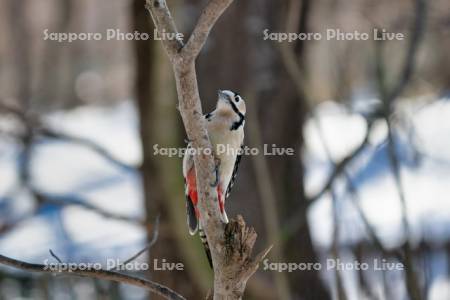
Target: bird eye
236 98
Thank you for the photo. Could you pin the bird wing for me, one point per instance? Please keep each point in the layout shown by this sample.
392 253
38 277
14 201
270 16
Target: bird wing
235 169
190 188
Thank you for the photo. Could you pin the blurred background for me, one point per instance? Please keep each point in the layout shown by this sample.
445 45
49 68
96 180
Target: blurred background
368 120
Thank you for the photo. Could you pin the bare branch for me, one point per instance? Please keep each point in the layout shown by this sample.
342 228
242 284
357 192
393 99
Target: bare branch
297 221
338 280
103 152
388 99
369 228
66 200
341 165
155 235
164 23
36 127
55 256
417 31
208 18
154 287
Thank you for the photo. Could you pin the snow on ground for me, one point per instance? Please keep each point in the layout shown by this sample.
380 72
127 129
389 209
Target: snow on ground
440 290
64 169
423 145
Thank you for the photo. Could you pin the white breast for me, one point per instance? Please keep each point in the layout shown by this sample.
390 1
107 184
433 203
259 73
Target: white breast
226 144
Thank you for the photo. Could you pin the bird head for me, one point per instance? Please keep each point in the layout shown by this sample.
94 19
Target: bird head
228 100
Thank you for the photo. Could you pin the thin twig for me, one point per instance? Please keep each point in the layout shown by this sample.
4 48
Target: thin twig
340 291
297 220
55 256
154 287
341 165
370 230
74 200
155 235
101 151
36 127
355 197
389 98
417 32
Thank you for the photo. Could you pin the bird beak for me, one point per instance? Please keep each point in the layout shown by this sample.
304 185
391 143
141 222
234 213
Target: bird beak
222 95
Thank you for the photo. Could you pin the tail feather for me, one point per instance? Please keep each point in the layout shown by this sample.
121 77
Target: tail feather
191 216
202 235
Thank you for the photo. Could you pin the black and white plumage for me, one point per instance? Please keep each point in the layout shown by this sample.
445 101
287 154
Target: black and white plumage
225 126
235 169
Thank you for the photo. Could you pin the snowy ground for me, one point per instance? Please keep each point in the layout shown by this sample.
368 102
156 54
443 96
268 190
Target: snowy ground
63 168
423 143
424 149
423 146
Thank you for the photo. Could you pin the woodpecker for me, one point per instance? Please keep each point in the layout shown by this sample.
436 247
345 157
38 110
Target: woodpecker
225 126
